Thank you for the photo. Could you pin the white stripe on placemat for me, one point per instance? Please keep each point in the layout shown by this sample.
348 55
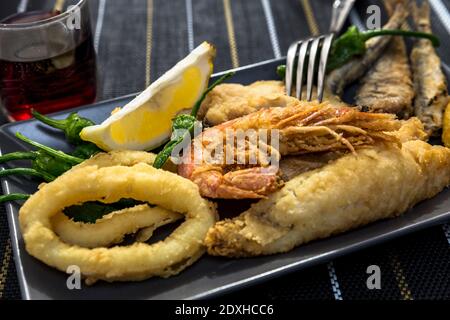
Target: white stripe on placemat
446 68
190 24
442 12
355 19
272 30
446 228
99 25
22 7
334 281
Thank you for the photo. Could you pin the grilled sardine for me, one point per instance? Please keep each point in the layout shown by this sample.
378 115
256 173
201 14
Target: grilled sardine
388 86
429 81
339 78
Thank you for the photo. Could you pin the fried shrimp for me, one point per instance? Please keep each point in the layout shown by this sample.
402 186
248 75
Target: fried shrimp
109 184
306 127
380 182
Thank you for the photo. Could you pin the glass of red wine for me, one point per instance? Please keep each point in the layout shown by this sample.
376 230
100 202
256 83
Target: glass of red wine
47 60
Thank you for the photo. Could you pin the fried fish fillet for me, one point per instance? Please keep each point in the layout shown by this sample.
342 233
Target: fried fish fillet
411 129
231 100
292 166
429 81
379 182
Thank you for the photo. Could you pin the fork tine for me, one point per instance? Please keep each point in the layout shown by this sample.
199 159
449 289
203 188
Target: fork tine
326 46
300 67
290 59
311 67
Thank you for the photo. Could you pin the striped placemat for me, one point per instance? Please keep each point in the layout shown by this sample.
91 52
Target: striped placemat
138 40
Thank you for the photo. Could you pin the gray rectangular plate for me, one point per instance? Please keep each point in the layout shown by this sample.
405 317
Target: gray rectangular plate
210 276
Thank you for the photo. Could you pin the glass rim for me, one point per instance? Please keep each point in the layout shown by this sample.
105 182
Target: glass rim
61 16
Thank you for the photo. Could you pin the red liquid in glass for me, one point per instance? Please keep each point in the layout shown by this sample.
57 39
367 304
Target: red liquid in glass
49 85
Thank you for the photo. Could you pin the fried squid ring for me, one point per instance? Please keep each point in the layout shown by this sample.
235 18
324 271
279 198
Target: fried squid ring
121 263
113 227
124 158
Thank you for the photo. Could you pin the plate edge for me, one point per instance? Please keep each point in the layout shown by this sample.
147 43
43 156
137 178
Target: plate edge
13 232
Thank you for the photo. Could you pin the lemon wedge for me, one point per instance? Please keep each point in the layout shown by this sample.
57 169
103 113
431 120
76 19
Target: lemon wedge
146 122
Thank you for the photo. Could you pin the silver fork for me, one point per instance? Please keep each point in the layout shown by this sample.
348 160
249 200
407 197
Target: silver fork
299 50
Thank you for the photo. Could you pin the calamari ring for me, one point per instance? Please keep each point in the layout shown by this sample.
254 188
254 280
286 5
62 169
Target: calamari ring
112 228
124 158
135 262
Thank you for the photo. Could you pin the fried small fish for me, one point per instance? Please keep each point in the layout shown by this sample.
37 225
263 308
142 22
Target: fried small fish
429 81
388 86
339 78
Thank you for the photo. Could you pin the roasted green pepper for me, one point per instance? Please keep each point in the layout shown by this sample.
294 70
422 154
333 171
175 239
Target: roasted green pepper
71 126
353 43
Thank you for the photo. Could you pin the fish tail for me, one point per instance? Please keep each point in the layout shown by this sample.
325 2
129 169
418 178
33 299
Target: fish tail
421 16
390 5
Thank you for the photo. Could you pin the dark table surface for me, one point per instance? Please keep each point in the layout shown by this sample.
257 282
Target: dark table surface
138 40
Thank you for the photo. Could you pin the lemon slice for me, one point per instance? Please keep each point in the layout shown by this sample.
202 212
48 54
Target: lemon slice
146 122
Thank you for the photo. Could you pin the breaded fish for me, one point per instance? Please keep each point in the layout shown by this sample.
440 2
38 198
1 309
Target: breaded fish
429 81
292 166
388 86
411 129
380 182
339 78
231 100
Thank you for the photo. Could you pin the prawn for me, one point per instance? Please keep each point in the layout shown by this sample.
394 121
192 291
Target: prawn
222 167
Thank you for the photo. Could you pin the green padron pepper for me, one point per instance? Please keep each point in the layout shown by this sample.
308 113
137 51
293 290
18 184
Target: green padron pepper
71 126
353 43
